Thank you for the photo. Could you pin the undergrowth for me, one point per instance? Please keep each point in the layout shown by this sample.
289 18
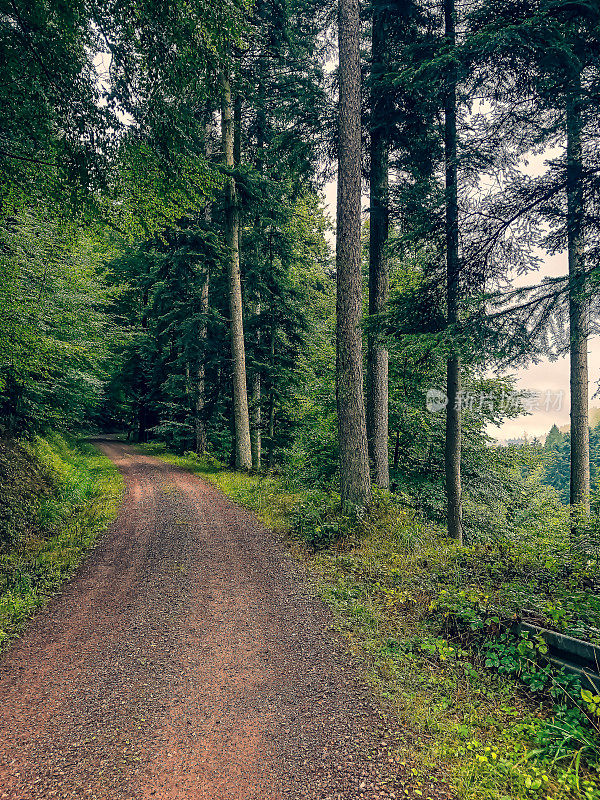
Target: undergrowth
431 622
60 495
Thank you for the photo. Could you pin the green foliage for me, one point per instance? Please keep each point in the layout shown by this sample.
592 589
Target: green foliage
55 337
558 447
319 520
55 132
157 288
68 494
25 483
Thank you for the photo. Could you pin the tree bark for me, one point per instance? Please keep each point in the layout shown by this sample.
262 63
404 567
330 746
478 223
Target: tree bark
377 354
271 429
201 373
142 410
200 421
578 313
243 455
355 483
255 430
256 399
453 410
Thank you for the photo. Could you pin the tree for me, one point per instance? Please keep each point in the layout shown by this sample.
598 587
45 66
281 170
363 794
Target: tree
354 464
55 135
243 451
200 388
55 336
453 424
377 355
544 58
578 305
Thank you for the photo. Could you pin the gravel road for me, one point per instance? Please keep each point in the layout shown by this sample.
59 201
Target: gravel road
187 660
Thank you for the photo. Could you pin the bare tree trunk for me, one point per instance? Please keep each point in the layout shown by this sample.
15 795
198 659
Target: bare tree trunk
201 374
256 399
271 457
142 410
237 129
142 430
453 412
377 354
243 455
271 429
203 332
354 463
578 313
255 430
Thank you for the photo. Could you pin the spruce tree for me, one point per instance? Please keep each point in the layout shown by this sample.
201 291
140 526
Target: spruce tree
354 464
377 355
243 452
453 408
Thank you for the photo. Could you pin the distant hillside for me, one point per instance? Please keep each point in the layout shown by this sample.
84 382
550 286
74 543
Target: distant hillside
557 443
594 420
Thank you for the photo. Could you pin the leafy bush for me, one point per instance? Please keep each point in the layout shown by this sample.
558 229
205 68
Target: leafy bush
318 519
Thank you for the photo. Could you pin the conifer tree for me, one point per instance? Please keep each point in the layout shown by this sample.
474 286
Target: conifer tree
377 355
453 421
243 452
354 464
548 59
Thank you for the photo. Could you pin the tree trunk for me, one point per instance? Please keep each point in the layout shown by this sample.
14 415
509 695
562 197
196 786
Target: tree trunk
271 430
243 455
377 354
142 410
453 411
271 458
578 313
203 332
142 431
201 374
355 480
255 431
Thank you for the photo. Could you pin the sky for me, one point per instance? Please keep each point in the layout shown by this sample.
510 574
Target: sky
548 381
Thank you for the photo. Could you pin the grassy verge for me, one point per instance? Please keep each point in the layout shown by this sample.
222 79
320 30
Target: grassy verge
57 497
429 622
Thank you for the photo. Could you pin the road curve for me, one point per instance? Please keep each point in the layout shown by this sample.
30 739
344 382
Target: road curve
186 660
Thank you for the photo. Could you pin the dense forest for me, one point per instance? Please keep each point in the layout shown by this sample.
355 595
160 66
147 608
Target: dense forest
169 272
166 254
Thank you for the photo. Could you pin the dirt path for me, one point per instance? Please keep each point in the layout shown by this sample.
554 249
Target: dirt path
186 660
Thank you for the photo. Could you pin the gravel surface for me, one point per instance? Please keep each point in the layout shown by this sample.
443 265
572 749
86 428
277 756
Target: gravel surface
187 660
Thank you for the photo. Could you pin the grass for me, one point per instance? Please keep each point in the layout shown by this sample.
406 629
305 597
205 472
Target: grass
480 730
56 517
424 617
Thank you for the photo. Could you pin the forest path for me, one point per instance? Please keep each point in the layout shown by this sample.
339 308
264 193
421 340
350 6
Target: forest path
186 660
